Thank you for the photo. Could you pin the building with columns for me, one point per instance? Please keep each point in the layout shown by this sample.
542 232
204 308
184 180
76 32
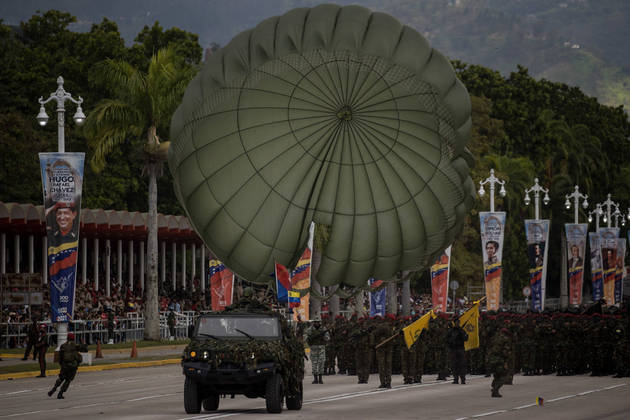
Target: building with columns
112 247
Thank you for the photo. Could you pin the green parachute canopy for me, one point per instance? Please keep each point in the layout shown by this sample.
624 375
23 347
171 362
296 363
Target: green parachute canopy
331 114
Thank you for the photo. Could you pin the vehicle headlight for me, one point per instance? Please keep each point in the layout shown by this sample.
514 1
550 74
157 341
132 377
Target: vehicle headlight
193 354
206 354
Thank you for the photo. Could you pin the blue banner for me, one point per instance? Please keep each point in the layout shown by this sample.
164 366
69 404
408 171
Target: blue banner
537 233
619 274
62 181
377 299
597 278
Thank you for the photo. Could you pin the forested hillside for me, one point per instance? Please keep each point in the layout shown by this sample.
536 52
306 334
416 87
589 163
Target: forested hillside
578 42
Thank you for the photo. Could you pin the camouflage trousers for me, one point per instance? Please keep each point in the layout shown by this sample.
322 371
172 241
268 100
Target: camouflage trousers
318 359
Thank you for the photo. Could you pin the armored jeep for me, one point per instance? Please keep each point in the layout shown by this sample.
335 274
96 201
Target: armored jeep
255 354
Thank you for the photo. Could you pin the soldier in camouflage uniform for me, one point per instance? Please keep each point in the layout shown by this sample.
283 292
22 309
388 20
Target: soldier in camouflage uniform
382 331
69 359
316 338
364 341
329 366
407 356
499 354
419 348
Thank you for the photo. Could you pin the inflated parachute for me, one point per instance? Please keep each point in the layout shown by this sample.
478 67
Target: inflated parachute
335 115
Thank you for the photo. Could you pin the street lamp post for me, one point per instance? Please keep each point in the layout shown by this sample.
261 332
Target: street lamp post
608 204
61 96
576 202
618 214
597 212
536 189
492 180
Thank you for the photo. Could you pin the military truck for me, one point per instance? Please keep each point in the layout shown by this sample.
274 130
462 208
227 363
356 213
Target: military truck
244 352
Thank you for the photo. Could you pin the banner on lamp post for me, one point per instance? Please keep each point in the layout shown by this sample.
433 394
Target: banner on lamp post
608 249
492 232
620 268
537 233
440 272
576 251
62 181
378 298
597 275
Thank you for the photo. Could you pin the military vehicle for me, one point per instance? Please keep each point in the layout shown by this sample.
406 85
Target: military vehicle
244 352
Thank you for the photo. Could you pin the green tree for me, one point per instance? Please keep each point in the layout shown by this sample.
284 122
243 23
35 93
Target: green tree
139 114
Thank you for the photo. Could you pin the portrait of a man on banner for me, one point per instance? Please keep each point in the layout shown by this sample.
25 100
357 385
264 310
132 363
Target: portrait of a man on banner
537 232
62 181
492 231
576 249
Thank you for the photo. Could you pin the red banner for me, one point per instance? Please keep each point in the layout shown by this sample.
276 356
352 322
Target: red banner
221 285
439 281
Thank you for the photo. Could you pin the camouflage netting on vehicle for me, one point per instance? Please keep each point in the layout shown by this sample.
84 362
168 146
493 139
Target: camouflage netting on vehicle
287 353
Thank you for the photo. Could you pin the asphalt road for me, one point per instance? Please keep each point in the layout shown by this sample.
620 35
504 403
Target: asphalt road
157 393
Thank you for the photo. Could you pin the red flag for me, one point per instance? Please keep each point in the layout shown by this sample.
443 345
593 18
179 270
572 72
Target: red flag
283 282
221 285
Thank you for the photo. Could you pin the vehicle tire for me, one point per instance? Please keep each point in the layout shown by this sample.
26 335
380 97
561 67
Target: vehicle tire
274 394
294 402
192 402
211 403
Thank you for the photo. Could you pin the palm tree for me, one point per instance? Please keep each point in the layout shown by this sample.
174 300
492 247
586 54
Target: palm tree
140 113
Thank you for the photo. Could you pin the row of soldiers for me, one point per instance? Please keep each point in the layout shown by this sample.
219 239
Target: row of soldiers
532 343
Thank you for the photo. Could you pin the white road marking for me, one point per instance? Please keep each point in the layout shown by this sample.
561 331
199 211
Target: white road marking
152 396
17 392
490 413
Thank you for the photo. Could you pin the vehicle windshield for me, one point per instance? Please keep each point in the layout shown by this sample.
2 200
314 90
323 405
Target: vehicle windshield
238 327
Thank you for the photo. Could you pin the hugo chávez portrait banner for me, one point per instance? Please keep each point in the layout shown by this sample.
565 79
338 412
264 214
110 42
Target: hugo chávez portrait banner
537 232
62 180
492 231
597 276
576 249
608 249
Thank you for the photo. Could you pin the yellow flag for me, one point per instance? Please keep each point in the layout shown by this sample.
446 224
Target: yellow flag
469 321
412 331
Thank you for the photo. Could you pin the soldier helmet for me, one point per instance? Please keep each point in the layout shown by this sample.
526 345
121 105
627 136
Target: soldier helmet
316 319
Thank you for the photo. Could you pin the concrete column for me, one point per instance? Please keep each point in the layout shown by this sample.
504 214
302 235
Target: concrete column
142 265
184 266
3 251
131 264
333 304
202 274
392 298
406 297
174 265
163 263
16 254
31 254
193 268
119 264
45 259
95 262
84 260
108 268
